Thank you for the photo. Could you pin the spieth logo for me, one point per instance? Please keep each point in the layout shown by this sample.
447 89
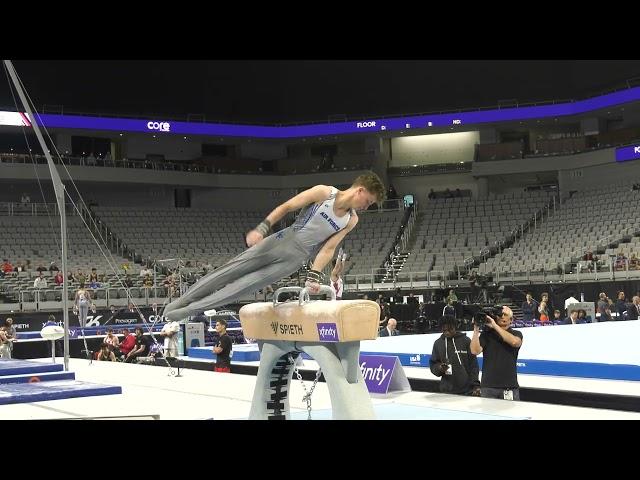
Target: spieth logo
328 332
274 327
161 126
365 124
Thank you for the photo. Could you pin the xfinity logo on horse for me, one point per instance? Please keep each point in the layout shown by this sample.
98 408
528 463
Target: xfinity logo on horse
162 126
328 332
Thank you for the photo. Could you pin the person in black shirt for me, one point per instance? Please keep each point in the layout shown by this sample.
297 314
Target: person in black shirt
222 349
452 360
141 348
500 345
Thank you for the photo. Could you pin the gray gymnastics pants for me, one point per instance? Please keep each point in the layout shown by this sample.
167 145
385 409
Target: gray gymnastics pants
83 311
274 258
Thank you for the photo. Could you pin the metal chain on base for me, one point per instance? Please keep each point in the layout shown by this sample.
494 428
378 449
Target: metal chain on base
307 396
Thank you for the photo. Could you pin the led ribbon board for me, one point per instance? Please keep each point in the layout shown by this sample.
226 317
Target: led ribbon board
312 130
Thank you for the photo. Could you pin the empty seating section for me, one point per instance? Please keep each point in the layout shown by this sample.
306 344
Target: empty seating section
587 221
448 231
370 242
213 236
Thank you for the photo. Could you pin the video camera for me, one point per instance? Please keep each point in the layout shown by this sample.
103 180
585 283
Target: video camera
480 317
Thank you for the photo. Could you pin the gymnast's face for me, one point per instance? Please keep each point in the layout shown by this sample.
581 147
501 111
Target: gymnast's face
364 199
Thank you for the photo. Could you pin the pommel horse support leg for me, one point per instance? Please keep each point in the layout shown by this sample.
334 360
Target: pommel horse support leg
329 331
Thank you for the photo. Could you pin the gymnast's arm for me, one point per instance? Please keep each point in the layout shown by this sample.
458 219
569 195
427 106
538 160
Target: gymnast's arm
326 252
315 194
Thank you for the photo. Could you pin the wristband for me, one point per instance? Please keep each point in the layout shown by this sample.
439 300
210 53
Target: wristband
315 276
264 228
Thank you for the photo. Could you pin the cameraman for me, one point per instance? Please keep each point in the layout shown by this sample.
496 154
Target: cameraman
500 345
452 360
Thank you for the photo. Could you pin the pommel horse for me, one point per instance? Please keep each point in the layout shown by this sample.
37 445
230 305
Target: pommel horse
329 331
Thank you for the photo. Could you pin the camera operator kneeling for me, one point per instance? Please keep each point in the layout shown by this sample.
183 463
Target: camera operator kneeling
452 360
500 345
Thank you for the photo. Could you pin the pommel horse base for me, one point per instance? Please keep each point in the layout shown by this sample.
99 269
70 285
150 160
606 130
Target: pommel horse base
329 331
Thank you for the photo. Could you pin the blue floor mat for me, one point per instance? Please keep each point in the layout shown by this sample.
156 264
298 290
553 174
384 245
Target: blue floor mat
10 366
55 390
37 377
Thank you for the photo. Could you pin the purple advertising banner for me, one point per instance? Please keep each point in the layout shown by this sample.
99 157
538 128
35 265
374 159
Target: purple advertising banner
631 152
377 371
328 332
167 127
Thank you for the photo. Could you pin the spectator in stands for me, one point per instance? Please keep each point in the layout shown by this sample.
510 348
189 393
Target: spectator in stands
105 354
336 274
543 310
452 360
7 268
556 316
40 281
53 267
500 345
621 306
449 309
223 347
573 318
145 271
604 308
170 284
634 263
170 332
140 349
329 215
633 311
147 282
529 308
545 298
80 277
127 282
25 199
71 277
128 342
385 313
58 279
452 297
582 315
390 330
93 276
621 261
41 268
19 268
